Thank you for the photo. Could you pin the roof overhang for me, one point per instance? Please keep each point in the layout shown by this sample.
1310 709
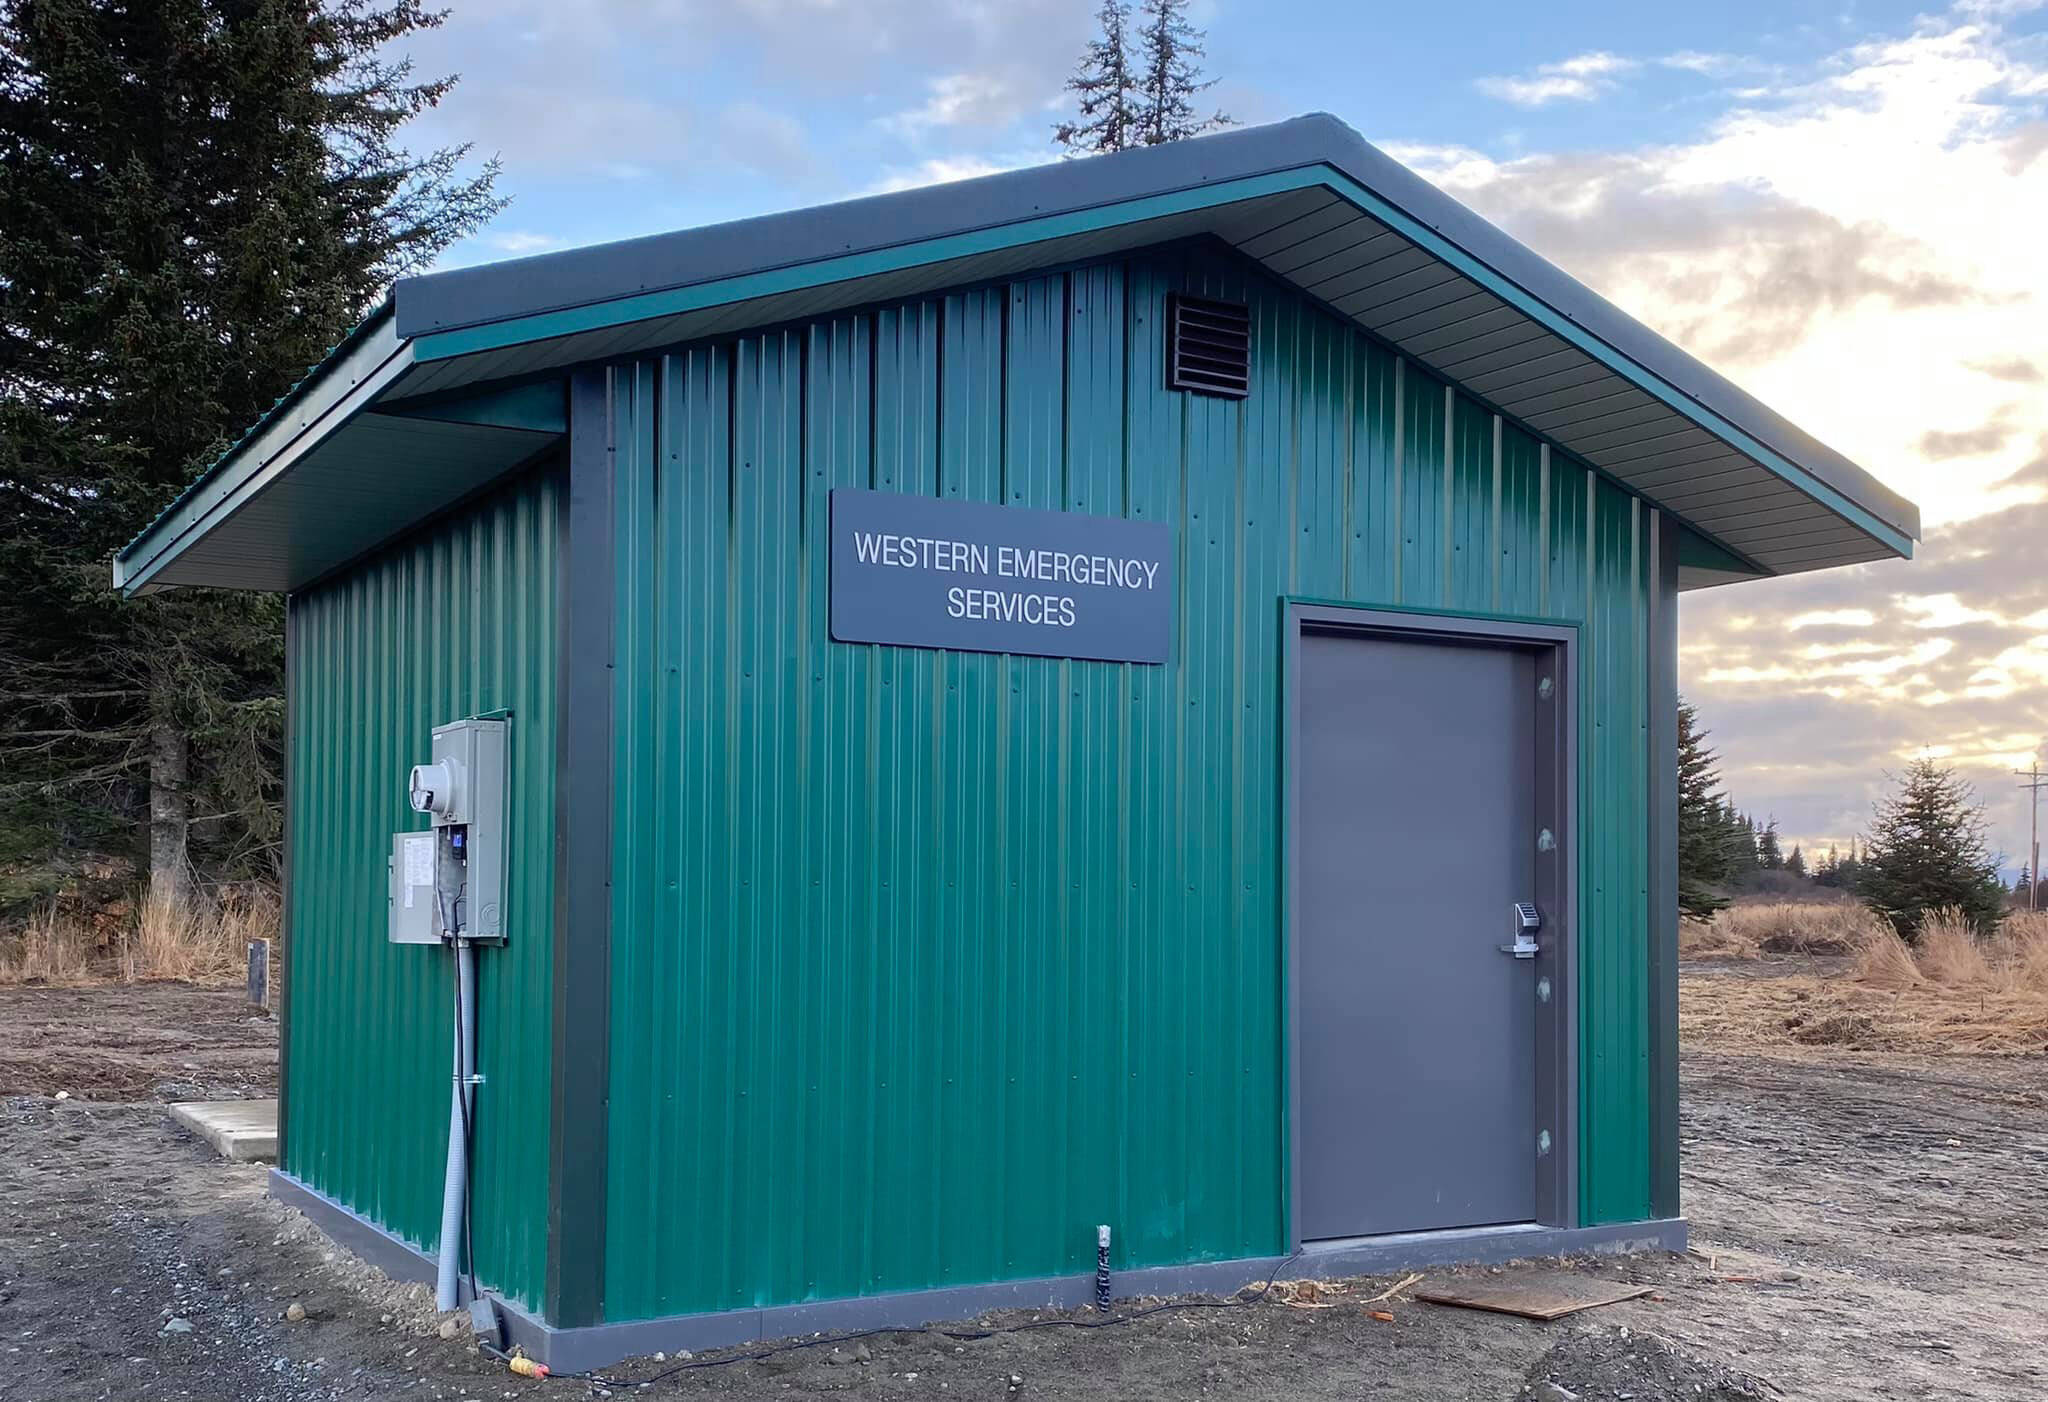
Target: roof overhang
360 450
331 472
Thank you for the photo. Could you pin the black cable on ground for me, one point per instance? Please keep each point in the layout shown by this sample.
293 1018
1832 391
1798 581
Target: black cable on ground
758 1355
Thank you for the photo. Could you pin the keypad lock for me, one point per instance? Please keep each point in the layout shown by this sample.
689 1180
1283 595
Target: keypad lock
1527 921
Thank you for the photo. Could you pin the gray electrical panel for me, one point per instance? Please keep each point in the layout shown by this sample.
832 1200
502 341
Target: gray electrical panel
413 917
449 881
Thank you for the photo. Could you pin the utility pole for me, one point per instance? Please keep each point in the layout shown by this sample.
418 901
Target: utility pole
2034 783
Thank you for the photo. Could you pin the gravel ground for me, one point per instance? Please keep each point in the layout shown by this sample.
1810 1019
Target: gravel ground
1875 1226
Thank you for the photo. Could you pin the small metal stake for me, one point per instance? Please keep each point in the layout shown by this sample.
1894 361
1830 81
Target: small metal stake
259 974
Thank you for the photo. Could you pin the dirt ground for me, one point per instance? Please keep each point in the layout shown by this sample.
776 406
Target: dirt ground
1876 1223
137 1041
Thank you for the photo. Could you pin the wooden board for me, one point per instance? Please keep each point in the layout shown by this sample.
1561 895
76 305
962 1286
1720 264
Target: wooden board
1534 1296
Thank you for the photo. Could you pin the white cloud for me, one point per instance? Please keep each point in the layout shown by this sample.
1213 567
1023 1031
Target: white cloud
1853 251
983 100
1998 9
1944 611
1859 246
1708 65
1592 65
521 241
1580 78
941 170
1833 618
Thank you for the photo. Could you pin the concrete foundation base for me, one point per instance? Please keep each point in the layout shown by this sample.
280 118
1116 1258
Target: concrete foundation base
242 1130
574 1350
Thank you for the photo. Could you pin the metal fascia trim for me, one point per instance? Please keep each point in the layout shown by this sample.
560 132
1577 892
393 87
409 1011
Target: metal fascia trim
268 455
597 316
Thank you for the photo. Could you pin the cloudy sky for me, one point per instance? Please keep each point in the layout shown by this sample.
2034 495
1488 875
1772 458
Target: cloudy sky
1843 207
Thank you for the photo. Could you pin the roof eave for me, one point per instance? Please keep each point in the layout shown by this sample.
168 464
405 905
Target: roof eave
348 380
551 295
448 317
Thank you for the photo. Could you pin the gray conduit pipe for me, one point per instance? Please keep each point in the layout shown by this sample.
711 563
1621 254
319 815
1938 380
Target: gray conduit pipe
447 1282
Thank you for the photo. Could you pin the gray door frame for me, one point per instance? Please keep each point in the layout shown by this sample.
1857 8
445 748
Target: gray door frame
1556 1052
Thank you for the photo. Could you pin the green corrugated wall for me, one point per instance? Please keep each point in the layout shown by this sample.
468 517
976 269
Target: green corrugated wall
455 620
925 963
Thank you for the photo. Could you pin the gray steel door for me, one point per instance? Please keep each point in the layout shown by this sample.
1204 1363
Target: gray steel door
1416 782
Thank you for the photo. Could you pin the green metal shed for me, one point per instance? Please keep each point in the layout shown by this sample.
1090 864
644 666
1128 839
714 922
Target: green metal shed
1138 693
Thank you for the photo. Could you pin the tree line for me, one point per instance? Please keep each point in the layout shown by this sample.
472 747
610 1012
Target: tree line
1926 848
197 199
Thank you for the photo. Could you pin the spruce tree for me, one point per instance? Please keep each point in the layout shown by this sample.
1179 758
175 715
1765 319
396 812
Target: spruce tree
1926 852
1795 861
1849 871
1105 88
1146 102
1703 852
1738 840
1769 856
197 199
1172 78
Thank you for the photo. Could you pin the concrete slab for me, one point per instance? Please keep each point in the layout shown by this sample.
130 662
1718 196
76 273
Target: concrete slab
242 1130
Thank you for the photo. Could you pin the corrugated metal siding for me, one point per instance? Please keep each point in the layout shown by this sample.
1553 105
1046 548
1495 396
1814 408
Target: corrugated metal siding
455 621
925 963
1614 860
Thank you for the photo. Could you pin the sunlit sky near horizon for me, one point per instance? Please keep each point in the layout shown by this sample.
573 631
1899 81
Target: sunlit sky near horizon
1842 207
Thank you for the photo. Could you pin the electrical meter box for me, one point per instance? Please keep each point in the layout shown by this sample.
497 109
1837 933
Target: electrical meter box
449 881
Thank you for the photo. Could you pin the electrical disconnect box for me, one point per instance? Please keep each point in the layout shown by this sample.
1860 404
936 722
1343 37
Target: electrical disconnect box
449 881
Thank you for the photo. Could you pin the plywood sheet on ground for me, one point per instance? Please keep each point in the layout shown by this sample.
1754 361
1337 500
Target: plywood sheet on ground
1533 1296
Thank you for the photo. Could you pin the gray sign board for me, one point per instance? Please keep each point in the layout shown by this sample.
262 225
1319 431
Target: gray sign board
970 576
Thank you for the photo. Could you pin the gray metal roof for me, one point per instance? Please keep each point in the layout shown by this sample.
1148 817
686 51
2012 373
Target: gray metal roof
1308 199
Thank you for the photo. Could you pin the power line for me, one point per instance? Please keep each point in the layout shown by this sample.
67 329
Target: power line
2033 785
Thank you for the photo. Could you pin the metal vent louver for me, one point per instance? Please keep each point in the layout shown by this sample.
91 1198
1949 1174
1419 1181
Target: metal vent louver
1208 346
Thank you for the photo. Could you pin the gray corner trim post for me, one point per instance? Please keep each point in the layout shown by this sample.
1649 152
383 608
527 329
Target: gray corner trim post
581 1348
284 920
1557 1052
1663 913
581 1021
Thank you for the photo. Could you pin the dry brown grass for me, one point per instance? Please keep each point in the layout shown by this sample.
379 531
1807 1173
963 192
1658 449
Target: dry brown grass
1710 939
2025 939
47 949
1950 952
1778 927
1801 927
1955 992
203 938
1886 961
